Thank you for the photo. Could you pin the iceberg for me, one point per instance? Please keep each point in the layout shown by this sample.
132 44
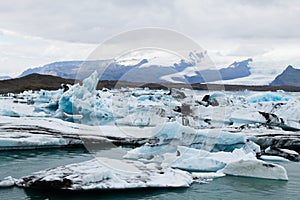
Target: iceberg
285 153
200 160
207 139
105 173
256 169
11 109
168 137
267 96
33 133
7 182
273 158
85 100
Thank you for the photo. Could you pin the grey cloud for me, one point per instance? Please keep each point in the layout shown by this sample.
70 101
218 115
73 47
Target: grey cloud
93 21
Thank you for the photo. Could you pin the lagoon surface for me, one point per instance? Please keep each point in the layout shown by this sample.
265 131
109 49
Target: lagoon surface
21 163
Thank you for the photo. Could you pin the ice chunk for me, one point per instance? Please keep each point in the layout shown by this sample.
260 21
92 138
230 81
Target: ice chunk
273 158
207 175
267 96
257 169
251 147
145 116
84 100
204 177
167 137
286 153
8 108
202 164
200 160
7 182
207 139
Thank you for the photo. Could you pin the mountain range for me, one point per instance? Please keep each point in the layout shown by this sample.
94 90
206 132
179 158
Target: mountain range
48 82
149 69
144 71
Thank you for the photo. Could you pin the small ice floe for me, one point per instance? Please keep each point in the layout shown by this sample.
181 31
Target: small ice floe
256 169
7 182
204 177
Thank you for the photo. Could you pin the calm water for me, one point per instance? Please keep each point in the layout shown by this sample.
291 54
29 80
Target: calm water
20 163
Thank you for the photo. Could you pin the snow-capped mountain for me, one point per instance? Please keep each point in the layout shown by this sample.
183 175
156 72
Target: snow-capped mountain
290 76
5 77
64 69
150 67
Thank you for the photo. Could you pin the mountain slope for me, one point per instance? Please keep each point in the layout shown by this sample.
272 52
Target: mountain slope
33 82
235 70
64 69
5 77
289 77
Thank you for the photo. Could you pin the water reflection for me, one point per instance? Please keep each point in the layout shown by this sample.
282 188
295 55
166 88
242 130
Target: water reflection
148 193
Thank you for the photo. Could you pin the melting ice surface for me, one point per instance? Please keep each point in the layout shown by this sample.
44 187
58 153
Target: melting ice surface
180 134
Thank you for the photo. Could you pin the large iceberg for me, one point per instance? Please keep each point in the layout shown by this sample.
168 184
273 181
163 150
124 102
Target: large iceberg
33 133
85 100
105 173
175 133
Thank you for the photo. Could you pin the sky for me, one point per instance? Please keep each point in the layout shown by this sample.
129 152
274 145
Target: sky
34 33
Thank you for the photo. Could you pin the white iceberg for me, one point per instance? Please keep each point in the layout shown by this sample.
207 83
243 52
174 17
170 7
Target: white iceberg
32 132
7 182
104 173
200 160
273 158
256 169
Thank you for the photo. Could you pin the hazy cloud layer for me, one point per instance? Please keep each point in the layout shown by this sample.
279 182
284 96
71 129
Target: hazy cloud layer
92 21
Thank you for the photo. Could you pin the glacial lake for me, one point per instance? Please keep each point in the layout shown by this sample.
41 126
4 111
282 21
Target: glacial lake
21 163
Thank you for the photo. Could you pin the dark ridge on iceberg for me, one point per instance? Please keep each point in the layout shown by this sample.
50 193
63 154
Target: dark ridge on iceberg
289 77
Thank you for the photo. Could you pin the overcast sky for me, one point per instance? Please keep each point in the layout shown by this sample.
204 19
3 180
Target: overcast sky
33 33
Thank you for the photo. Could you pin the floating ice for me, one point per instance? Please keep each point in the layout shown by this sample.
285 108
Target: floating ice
273 158
7 182
267 96
257 169
84 100
200 160
33 133
101 174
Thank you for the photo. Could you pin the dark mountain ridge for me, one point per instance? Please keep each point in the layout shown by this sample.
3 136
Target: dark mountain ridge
289 77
